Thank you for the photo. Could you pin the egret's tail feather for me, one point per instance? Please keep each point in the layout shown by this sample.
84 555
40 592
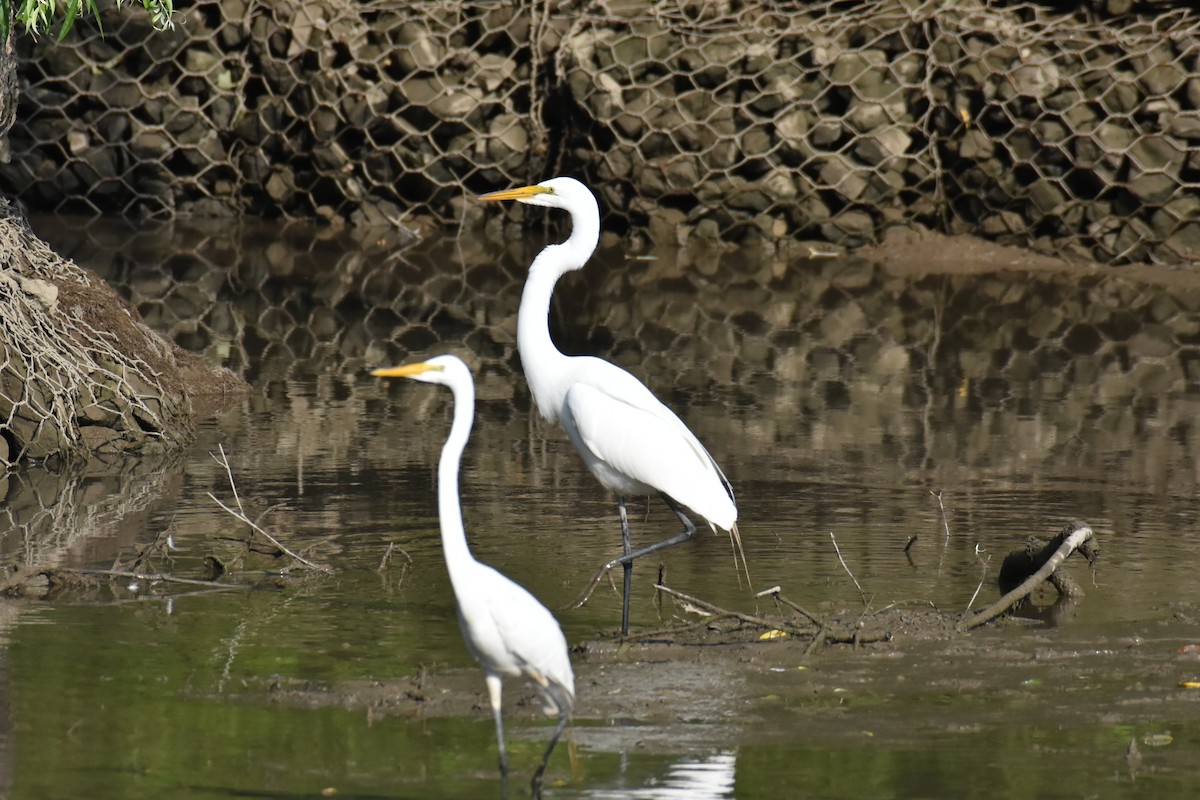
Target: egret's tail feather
735 539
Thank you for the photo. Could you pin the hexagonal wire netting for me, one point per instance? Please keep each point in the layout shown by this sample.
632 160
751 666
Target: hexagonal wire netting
722 120
365 110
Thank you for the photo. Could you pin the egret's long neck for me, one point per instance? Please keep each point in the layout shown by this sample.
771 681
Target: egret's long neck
545 366
454 538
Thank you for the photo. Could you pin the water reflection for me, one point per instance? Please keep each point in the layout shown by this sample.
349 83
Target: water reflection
710 778
875 401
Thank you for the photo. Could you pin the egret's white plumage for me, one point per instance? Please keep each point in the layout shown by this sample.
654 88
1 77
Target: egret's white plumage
629 440
505 628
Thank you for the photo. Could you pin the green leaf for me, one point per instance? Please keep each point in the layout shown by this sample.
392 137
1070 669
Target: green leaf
72 12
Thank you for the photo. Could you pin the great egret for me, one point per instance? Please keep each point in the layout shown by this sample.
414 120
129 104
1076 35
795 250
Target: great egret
629 440
507 630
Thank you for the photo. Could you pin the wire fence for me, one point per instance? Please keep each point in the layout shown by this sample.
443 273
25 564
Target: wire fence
725 121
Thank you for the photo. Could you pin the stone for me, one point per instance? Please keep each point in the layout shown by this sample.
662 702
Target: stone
421 50
826 133
1156 153
849 228
793 126
1153 188
1121 97
199 61
1185 125
839 174
882 146
508 135
280 185
98 438
1046 195
1184 244
976 145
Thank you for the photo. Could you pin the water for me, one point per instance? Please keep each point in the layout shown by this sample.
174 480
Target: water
847 403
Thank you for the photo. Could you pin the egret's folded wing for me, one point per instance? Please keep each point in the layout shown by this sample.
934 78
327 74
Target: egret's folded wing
652 448
530 632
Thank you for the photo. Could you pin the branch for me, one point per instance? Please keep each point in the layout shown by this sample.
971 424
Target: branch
838 550
241 515
1071 543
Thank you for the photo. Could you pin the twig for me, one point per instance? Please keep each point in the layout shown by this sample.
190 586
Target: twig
945 523
982 573
387 556
1068 546
838 550
717 610
586 595
813 618
151 577
241 515
676 629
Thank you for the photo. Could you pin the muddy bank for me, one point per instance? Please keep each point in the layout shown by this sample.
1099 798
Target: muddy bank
80 372
920 682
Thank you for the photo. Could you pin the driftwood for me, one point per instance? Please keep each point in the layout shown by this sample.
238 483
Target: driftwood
1023 570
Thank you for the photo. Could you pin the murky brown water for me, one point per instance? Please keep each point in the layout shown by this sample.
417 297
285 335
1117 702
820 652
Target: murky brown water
840 397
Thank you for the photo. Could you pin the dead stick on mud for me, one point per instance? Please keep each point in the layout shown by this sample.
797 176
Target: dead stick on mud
240 513
775 592
747 618
1070 544
678 629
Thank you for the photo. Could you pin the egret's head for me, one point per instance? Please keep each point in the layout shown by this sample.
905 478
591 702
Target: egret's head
565 193
442 369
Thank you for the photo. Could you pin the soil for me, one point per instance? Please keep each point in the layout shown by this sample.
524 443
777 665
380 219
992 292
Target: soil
711 681
913 252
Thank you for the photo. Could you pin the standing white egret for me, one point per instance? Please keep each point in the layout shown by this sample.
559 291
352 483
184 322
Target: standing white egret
629 440
505 627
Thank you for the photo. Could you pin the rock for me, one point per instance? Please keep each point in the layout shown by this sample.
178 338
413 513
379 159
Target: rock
838 173
1185 125
280 185
1153 188
792 127
882 146
1038 76
508 140
1184 243
1121 98
199 61
1151 153
444 96
976 145
99 439
849 228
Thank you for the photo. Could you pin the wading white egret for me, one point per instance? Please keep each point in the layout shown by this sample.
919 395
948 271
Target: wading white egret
630 441
508 631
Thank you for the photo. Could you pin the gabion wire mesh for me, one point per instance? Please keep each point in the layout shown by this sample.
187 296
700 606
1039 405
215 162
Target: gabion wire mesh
837 120
728 120
364 110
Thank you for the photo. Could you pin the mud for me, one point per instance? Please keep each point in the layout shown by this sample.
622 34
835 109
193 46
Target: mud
922 678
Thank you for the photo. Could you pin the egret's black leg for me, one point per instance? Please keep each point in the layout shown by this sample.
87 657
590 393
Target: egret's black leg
536 786
626 560
627 546
689 530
